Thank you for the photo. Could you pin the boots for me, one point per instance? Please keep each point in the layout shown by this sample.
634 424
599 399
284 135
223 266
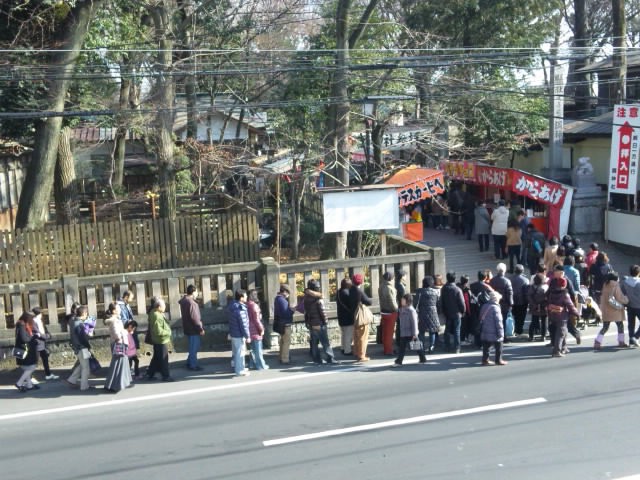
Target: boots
621 343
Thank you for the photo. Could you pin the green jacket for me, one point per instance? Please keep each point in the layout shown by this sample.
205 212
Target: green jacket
160 329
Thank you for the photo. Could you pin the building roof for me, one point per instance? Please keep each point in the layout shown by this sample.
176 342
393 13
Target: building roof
96 134
599 126
633 60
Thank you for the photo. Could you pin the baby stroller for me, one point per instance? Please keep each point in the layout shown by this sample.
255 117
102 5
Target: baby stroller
591 314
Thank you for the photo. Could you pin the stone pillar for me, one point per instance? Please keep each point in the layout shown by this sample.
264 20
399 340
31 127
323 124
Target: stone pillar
589 201
271 280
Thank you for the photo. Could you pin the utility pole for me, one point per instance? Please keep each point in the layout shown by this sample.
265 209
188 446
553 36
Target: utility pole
619 51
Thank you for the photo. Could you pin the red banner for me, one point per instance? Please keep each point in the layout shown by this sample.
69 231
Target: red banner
624 154
493 177
543 191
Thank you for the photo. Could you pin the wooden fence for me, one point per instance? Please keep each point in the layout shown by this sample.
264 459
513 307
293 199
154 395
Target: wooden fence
128 246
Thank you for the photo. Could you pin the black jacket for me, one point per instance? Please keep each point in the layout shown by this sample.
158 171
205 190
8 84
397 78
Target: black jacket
345 318
502 285
356 296
79 338
24 340
314 314
452 300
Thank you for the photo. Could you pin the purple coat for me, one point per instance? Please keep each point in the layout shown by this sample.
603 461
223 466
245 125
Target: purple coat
491 328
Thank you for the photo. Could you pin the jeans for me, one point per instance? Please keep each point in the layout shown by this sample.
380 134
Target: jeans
499 242
632 315
319 335
257 358
559 336
539 322
236 354
404 343
194 346
452 328
514 256
44 355
483 241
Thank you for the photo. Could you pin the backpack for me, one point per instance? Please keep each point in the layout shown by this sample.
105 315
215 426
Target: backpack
483 297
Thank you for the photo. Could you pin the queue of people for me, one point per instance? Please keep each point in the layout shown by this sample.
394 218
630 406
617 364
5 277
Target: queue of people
567 286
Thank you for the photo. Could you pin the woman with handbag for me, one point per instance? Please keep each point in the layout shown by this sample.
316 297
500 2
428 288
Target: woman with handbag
408 318
359 302
612 302
119 376
26 351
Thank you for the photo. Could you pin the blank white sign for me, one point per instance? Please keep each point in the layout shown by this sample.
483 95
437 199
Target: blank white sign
361 210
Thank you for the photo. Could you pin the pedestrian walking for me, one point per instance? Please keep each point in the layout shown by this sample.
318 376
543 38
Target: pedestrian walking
42 337
452 302
192 325
630 287
499 220
160 339
132 349
82 349
361 332
558 272
520 286
559 307
315 317
598 273
388 311
126 314
256 330
492 329
537 299
427 304
119 375
514 243
282 322
482 222
26 340
345 318
408 318
612 303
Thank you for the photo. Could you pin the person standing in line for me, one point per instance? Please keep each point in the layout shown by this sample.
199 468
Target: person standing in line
468 215
501 284
537 298
499 220
452 302
27 338
361 332
239 331
482 225
514 243
520 286
345 319
408 319
126 314
611 289
42 337
590 258
524 223
192 325
132 349
119 376
160 338
465 324
256 330
533 248
81 347
631 289
427 302
550 253
315 318
401 290
388 311
480 290
283 321
492 329
558 272
559 307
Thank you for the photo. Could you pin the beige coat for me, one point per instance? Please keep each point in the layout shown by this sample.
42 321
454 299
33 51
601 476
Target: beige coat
550 256
610 314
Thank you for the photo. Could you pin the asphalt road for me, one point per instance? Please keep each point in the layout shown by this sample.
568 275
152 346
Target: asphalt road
580 423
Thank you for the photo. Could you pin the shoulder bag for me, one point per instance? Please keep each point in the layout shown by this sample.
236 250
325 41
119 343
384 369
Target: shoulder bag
613 301
363 316
119 350
20 352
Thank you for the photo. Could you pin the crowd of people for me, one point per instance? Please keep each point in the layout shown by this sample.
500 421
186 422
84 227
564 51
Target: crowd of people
566 288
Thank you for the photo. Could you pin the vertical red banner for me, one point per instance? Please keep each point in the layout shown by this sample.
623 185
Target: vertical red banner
624 156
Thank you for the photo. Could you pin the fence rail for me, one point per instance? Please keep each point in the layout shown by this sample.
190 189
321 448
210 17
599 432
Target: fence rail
129 246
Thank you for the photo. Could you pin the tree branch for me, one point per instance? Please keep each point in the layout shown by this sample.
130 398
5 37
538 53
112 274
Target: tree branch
362 24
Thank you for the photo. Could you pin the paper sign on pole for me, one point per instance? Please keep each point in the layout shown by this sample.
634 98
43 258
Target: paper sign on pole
625 141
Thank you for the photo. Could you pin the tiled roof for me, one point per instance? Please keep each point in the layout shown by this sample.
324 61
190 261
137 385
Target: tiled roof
633 60
96 134
600 126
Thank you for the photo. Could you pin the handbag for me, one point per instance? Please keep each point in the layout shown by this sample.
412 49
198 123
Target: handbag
119 350
363 316
614 303
147 337
278 326
94 364
20 352
510 327
415 345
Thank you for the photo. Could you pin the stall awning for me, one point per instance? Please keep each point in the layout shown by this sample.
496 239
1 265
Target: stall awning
416 183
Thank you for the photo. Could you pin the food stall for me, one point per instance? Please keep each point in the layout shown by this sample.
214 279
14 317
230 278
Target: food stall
546 202
413 185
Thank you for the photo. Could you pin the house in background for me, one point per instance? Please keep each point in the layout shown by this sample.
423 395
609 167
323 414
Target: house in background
14 159
223 119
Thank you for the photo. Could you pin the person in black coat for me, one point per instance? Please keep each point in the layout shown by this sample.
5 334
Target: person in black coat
345 315
476 289
452 302
27 339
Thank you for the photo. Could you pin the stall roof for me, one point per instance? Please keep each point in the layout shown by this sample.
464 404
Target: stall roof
416 183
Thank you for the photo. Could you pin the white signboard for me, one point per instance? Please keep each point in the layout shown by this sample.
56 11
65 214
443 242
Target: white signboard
625 140
361 210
